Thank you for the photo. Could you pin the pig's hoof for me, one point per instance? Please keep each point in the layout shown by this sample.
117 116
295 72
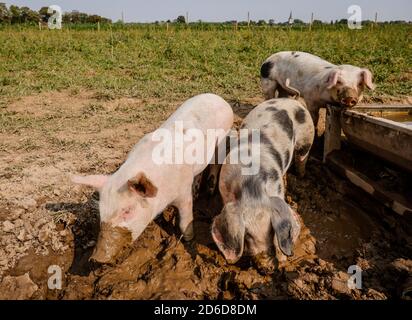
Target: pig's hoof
264 263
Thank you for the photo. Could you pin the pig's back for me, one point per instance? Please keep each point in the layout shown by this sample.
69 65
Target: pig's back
299 59
204 111
298 66
276 120
276 116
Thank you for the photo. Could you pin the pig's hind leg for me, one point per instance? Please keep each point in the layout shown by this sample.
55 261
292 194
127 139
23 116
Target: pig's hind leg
185 206
301 155
221 151
300 158
269 88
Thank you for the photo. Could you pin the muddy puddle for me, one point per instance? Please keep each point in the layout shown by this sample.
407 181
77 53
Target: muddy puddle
336 234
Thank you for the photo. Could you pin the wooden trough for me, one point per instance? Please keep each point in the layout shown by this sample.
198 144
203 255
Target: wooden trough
383 138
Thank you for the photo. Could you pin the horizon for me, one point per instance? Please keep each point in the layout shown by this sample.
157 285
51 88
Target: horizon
230 10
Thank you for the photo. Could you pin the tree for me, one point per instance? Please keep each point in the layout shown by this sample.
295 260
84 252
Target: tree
27 15
94 18
5 16
67 17
271 22
75 16
261 22
15 14
44 14
83 17
298 21
181 19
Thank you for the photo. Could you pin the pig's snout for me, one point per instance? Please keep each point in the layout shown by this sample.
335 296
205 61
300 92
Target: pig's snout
349 102
110 244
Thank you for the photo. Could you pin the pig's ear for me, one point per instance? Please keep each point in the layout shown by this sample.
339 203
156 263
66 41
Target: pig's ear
228 232
142 186
281 219
366 78
95 181
332 79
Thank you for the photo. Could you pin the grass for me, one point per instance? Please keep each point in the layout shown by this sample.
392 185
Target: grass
149 61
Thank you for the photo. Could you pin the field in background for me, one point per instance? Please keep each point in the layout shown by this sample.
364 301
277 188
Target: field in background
150 61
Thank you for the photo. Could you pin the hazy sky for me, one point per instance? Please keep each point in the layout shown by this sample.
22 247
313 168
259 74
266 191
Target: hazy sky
223 10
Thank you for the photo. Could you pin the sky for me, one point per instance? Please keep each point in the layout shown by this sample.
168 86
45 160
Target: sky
225 10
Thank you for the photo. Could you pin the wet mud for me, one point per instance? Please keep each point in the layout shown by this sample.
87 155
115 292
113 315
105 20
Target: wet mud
337 233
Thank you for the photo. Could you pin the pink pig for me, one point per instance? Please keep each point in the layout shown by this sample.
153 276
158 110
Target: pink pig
143 187
318 81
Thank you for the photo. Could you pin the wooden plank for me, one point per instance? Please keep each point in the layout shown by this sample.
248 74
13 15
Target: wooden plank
395 201
384 138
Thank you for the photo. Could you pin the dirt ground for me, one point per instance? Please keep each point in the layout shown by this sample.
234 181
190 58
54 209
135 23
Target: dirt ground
45 220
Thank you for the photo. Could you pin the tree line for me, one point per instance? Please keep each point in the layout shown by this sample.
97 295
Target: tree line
271 22
25 15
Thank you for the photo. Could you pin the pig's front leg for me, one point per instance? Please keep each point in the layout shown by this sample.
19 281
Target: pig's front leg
185 206
314 109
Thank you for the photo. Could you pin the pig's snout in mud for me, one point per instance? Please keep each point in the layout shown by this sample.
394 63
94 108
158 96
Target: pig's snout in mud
111 243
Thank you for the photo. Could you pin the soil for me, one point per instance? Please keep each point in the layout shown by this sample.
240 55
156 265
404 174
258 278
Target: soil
46 221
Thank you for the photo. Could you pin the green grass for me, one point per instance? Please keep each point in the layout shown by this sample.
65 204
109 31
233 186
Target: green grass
152 62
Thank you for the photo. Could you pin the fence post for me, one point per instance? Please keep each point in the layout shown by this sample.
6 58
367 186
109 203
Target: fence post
311 22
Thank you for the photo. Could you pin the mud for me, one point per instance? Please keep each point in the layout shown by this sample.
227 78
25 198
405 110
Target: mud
111 244
338 230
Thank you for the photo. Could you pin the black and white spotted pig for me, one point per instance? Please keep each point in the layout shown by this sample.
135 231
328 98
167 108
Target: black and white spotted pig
318 81
255 213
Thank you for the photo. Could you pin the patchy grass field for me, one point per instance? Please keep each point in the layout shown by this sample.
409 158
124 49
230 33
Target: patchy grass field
77 101
150 62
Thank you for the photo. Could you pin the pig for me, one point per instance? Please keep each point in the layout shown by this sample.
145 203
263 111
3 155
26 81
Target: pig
142 188
318 81
255 217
